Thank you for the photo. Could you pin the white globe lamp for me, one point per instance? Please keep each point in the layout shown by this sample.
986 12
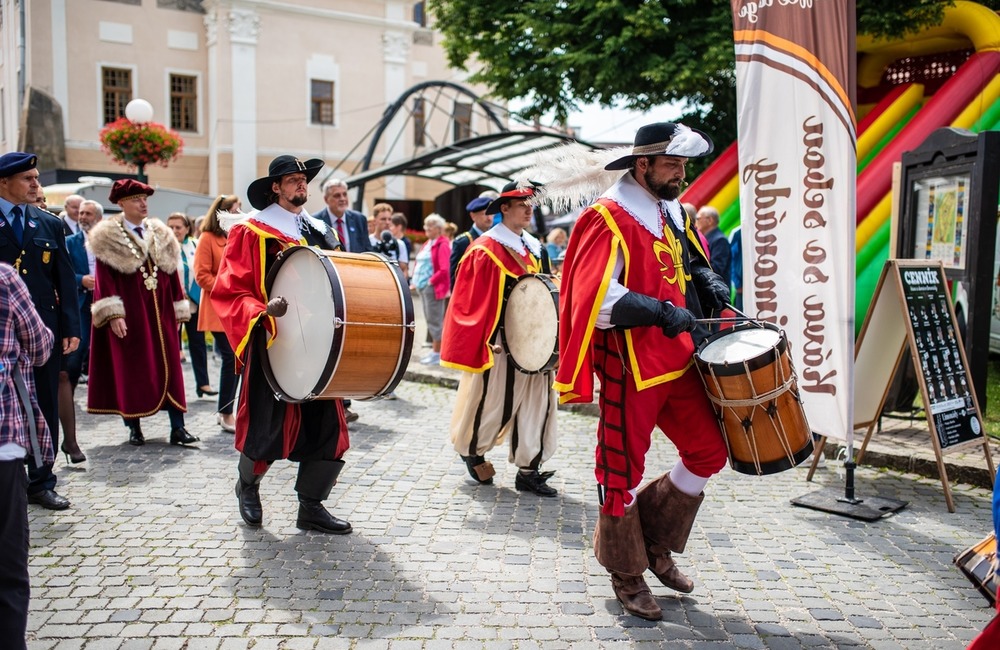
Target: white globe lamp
139 111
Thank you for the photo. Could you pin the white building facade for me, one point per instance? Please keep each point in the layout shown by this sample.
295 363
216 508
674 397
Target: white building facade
241 81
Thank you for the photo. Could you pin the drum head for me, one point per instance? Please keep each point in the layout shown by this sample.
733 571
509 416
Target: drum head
531 323
300 355
739 345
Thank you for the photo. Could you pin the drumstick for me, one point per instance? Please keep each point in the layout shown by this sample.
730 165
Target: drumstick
733 319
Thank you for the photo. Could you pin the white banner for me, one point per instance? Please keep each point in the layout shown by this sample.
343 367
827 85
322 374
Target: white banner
797 171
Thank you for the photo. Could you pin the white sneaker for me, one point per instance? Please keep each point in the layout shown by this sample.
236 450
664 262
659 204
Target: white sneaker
432 359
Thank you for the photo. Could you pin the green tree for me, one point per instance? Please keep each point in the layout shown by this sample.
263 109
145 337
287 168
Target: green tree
559 54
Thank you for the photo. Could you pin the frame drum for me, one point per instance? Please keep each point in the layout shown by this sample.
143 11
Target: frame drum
348 331
529 326
751 383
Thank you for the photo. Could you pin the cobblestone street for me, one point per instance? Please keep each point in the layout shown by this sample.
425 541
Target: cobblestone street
153 554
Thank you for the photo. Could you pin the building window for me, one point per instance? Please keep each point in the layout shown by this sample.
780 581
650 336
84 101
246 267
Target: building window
183 102
462 121
419 123
322 102
116 85
420 13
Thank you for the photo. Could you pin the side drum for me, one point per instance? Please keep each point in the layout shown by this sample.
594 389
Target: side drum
348 332
529 326
979 564
750 381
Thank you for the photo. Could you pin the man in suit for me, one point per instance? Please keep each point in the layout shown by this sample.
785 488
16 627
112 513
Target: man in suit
32 241
481 222
71 220
707 223
352 230
351 226
83 261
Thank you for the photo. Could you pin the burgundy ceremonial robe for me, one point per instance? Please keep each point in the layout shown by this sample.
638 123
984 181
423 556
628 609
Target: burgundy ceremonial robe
268 429
140 374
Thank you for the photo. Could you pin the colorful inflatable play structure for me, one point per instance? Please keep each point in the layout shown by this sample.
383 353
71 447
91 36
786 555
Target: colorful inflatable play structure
947 75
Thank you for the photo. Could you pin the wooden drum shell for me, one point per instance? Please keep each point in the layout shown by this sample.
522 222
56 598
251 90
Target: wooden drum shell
372 343
778 437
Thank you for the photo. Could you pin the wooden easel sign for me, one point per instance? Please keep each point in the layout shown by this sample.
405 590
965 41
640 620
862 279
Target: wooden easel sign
912 311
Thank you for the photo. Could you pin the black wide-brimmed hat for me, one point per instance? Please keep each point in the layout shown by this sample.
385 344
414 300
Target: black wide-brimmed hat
259 192
665 139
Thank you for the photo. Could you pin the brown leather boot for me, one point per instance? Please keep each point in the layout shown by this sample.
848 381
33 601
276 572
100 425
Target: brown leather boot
666 571
667 516
634 595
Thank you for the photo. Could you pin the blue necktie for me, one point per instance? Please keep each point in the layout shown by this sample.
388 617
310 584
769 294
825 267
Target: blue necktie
14 218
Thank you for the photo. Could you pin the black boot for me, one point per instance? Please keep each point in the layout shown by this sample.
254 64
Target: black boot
135 437
180 436
315 480
248 492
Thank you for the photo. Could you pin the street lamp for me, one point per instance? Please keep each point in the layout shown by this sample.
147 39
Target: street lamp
140 112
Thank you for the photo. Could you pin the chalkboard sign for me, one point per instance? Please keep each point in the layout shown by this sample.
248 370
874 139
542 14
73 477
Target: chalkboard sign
938 356
911 315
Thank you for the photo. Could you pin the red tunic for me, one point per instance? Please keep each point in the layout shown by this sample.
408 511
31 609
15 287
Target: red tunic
140 374
603 232
474 309
266 428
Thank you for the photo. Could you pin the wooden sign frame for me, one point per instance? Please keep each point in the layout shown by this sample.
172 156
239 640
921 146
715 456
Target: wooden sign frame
912 310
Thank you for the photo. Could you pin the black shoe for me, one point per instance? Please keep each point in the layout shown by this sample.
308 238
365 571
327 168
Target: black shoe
205 390
49 499
135 436
313 516
534 482
249 498
484 474
180 436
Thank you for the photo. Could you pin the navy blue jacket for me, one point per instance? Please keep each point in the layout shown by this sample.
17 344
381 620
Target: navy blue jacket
357 229
44 265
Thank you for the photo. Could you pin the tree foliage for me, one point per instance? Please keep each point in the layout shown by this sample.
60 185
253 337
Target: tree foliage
559 54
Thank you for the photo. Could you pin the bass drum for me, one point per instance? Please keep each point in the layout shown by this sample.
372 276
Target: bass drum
530 323
348 331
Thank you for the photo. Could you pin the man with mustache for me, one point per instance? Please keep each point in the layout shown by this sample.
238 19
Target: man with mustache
313 433
635 279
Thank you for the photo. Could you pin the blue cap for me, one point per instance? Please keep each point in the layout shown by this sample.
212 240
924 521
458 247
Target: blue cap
16 162
478 204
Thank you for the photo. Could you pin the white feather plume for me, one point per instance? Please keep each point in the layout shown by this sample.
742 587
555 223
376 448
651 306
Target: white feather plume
573 174
229 219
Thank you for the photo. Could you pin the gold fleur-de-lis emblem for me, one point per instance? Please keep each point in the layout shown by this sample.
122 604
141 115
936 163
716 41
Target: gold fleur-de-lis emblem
670 254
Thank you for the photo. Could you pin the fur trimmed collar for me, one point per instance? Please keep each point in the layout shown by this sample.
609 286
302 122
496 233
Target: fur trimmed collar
109 240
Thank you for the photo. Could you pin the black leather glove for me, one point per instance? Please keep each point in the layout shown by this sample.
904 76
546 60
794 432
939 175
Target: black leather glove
639 310
674 319
277 307
712 289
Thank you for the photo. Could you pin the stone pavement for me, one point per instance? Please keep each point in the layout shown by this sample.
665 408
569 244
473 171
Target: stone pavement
154 555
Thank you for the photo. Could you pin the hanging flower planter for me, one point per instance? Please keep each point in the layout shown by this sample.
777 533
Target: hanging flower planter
140 144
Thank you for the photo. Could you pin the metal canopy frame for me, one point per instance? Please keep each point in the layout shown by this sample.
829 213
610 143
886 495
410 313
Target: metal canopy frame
491 160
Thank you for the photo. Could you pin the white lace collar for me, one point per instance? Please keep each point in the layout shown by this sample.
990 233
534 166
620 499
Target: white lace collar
643 206
517 243
288 223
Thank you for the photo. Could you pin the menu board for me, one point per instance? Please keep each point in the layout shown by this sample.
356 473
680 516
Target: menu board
948 400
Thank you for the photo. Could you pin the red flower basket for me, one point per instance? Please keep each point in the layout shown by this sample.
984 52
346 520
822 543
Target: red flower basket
129 143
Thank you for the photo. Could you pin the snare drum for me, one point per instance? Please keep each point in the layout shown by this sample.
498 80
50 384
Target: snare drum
979 564
529 325
750 381
348 331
